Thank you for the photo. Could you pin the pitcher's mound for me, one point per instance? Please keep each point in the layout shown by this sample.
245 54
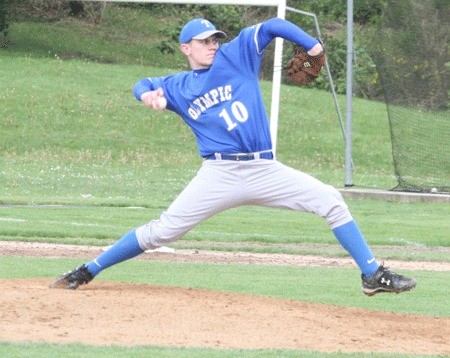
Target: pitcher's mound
107 313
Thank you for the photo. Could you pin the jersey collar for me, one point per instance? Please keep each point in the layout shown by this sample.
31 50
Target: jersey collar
196 73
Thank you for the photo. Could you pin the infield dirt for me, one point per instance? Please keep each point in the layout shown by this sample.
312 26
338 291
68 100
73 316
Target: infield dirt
110 313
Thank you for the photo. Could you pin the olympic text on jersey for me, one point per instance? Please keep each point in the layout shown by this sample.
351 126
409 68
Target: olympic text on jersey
209 99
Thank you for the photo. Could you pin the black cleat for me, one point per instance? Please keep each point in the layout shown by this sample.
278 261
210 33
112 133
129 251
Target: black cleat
384 280
72 279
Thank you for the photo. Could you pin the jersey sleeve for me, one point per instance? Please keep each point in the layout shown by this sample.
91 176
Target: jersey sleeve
277 27
169 84
142 86
243 51
256 38
145 85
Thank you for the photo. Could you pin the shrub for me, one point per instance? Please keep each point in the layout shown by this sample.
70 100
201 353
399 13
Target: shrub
5 16
55 10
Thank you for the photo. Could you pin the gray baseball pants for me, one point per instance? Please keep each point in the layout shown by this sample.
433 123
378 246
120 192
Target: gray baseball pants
224 184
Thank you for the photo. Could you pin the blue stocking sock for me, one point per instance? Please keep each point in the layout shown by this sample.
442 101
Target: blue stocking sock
126 248
351 238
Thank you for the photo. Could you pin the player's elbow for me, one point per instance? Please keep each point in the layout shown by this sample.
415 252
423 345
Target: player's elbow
141 87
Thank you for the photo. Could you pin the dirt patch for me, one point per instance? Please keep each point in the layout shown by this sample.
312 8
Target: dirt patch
105 313
36 249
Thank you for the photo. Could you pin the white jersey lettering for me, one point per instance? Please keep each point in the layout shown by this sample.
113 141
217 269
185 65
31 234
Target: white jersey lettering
198 102
209 99
194 113
214 94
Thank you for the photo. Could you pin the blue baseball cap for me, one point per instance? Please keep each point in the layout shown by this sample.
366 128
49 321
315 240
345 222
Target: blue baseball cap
199 29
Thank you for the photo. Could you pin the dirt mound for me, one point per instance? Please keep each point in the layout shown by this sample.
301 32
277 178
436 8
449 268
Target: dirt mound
105 313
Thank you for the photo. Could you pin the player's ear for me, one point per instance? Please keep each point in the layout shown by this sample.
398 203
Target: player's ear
186 49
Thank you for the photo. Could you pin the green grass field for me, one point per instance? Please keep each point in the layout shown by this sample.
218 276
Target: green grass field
72 350
82 162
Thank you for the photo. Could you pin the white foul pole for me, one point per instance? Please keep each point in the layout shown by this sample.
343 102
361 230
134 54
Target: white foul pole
348 139
276 81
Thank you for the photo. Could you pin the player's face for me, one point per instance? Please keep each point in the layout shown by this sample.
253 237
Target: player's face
201 52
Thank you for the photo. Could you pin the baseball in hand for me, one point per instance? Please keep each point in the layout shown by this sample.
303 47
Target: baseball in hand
161 103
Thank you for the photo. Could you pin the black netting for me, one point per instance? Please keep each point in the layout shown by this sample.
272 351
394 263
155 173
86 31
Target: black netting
411 54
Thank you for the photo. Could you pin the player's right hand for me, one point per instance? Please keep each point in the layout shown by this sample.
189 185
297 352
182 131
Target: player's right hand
155 99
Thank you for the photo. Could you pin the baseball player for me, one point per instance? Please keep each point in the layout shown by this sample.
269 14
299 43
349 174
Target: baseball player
220 100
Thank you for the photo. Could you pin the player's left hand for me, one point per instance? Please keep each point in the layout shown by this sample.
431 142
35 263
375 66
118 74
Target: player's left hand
305 66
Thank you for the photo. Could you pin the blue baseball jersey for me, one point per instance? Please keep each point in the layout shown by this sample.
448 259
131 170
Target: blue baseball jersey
223 104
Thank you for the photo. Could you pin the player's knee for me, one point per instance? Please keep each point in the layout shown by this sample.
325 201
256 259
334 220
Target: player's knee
144 235
152 235
335 194
336 210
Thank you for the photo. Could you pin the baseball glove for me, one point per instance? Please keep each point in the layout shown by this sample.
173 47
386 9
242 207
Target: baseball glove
303 68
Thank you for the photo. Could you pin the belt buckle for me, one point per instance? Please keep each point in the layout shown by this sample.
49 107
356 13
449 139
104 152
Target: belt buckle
244 157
